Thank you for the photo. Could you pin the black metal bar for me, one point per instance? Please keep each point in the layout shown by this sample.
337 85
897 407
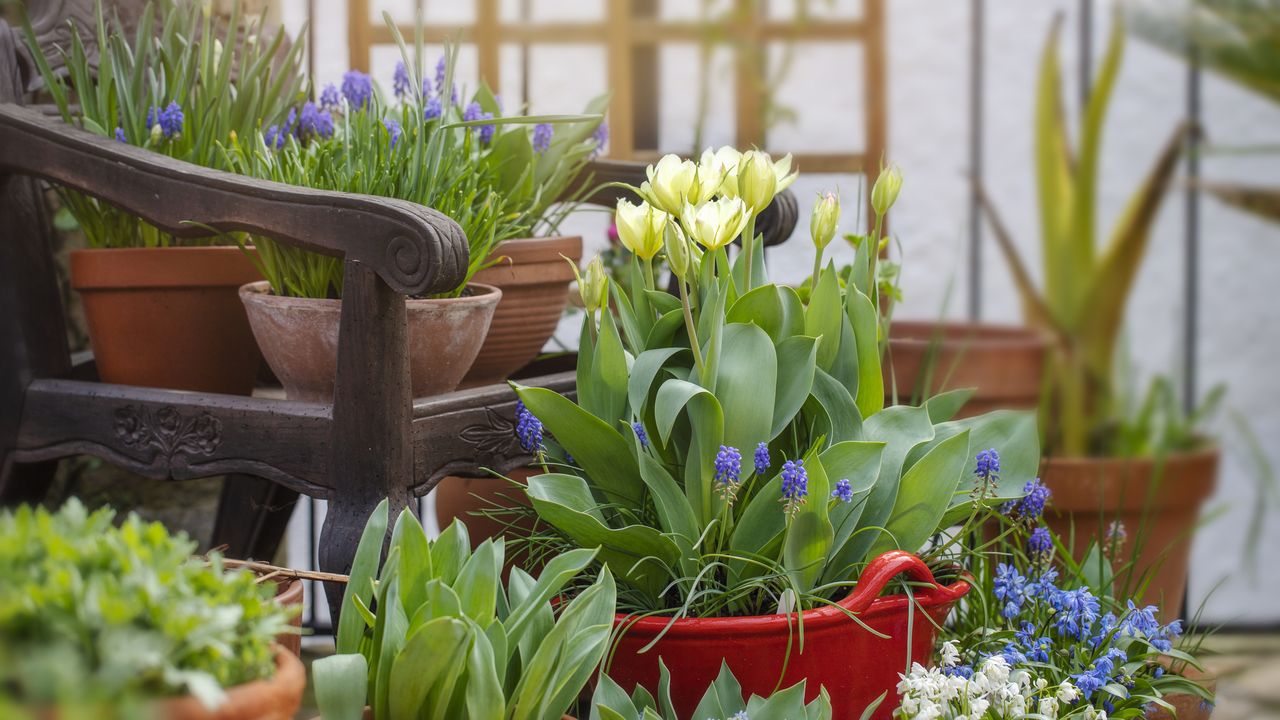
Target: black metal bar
1191 263
1086 52
976 71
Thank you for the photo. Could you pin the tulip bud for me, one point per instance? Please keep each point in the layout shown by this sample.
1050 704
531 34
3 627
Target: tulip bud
716 223
708 178
757 182
593 286
641 228
822 223
677 250
885 192
233 137
157 134
669 182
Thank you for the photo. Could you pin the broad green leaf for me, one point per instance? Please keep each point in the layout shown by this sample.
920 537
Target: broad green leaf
664 331
1054 181
609 374
610 701
866 326
745 384
341 682
477 583
944 406
706 421
924 495
430 657
601 451
415 562
632 329
723 698
859 463
450 551
674 514
822 318
798 356
440 600
809 534
643 373
663 302
364 566
842 414
1013 434
554 576
484 695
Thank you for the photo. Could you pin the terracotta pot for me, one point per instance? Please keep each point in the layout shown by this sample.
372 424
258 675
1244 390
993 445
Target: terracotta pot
169 317
289 594
1005 363
276 698
1158 503
534 279
854 665
299 338
463 498
1189 707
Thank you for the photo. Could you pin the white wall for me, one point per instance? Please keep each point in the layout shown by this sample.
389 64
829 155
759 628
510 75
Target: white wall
928 124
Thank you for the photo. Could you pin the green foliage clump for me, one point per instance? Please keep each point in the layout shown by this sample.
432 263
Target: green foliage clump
94 613
723 699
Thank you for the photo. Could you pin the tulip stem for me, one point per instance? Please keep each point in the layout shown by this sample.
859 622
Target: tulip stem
817 267
648 273
749 246
688 325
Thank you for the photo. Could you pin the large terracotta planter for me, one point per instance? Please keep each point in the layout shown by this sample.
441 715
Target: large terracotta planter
1158 503
275 698
169 317
854 665
1004 363
1188 706
299 338
534 278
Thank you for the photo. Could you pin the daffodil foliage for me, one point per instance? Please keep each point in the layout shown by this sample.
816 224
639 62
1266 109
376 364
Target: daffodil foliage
729 451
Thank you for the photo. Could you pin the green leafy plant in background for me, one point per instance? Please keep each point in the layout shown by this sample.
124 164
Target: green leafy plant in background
729 452
498 177
182 86
1086 288
92 614
1237 39
434 634
723 701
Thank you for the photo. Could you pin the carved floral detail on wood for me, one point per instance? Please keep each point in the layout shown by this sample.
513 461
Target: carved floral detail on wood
167 430
496 437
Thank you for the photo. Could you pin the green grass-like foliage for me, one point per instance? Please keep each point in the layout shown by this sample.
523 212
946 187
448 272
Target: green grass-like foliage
227 79
722 701
733 365
434 634
96 614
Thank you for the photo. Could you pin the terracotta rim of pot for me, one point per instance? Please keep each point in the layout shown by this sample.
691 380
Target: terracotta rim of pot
1199 464
255 291
945 333
115 268
526 251
864 601
278 696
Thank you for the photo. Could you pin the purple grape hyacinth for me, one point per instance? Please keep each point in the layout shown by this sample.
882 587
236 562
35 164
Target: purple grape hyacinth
843 491
795 484
400 80
314 122
762 458
641 435
120 135
728 467
542 133
330 99
528 429
357 88
392 127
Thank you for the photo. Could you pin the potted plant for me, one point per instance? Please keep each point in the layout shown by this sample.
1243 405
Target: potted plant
162 310
731 456
723 699
426 147
438 636
1098 469
1048 635
102 618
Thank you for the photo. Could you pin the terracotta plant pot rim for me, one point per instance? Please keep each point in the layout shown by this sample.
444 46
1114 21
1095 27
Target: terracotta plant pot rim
262 288
864 601
128 268
1073 462
963 334
289 672
536 250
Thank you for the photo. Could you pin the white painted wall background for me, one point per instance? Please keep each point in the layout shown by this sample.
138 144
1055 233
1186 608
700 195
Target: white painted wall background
928 51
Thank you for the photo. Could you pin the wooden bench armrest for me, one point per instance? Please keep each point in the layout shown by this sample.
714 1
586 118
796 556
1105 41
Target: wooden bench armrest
414 249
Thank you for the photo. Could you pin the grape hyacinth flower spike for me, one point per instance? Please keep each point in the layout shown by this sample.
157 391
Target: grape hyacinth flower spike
795 485
728 471
843 491
987 473
762 461
357 88
641 435
528 429
542 133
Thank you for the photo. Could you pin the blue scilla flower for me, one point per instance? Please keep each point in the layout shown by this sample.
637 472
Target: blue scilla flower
843 491
120 135
641 435
728 466
795 481
601 136
960 671
357 88
400 80
762 458
314 122
1036 648
528 429
1141 622
392 127
1077 610
1040 543
1010 588
1045 585
1102 632
1013 655
432 109
329 99
1094 679
542 133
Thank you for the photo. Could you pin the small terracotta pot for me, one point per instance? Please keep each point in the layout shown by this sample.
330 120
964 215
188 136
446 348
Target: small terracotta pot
463 498
534 279
169 317
289 594
276 698
299 338
1189 707
1158 503
839 653
1004 363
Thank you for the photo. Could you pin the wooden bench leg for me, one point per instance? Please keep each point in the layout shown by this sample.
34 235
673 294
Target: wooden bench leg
25 484
253 515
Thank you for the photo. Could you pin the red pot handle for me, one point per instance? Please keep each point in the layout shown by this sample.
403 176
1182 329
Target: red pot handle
886 567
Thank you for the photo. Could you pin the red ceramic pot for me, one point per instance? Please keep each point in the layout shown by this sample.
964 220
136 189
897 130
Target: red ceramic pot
854 665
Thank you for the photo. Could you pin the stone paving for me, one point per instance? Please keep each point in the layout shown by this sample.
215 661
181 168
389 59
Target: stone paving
1248 670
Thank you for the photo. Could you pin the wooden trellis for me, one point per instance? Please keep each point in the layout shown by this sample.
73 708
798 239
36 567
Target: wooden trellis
626 29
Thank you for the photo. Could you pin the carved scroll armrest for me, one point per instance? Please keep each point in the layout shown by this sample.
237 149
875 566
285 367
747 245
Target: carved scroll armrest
776 223
414 249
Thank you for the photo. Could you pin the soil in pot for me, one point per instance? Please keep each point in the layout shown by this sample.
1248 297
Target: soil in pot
1158 504
534 277
764 653
169 317
299 338
275 698
1003 363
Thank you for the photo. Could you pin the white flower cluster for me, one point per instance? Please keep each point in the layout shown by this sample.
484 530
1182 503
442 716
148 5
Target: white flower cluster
993 692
